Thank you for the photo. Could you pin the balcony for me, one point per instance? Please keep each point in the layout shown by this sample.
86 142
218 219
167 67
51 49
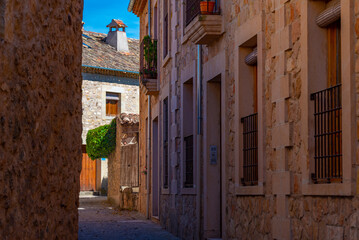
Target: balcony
203 21
148 66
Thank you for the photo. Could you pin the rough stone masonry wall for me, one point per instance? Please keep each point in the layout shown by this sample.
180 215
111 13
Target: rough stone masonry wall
40 119
92 99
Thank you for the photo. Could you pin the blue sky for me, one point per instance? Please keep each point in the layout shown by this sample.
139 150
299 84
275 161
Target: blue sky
99 13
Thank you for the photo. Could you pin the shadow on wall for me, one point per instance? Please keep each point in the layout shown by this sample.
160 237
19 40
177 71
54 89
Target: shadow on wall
104 186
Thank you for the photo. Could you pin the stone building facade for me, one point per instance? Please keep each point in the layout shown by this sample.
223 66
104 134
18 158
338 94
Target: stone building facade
40 118
251 131
110 87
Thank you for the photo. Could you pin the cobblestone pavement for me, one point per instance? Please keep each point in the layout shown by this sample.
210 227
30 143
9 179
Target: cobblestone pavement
98 220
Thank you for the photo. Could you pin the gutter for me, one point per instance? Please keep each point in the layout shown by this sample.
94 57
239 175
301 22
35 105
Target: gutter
149 170
111 69
199 140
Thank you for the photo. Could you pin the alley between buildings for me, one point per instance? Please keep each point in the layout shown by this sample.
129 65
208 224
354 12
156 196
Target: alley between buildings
98 220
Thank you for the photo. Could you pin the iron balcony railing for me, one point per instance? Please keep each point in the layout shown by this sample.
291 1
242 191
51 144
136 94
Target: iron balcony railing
148 59
193 9
328 164
250 150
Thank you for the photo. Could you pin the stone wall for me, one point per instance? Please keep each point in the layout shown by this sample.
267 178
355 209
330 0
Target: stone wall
119 179
283 210
94 87
40 118
299 216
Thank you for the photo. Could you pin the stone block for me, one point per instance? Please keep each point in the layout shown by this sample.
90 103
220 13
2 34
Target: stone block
280 88
281 112
281 182
174 159
335 233
282 206
174 131
174 103
281 65
281 228
281 41
282 136
281 159
279 19
173 186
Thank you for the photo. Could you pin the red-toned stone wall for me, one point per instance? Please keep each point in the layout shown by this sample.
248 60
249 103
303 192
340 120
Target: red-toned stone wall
40 118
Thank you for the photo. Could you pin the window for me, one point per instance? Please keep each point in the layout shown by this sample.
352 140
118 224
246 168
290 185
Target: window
188 178
249 108
2 17
155 27
112 104
188 144
165 28
328 115
250 122
165 144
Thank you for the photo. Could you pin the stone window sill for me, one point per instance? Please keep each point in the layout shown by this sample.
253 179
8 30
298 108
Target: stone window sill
165 191
250 190
166 60
188 191
332 189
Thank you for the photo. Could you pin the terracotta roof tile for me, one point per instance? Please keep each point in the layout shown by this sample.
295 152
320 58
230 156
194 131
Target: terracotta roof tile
97 53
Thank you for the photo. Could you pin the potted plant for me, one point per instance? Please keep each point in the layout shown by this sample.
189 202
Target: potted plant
149 70
207 7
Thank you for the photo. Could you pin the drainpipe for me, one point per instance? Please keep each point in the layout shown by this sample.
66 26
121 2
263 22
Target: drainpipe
199 139
149 129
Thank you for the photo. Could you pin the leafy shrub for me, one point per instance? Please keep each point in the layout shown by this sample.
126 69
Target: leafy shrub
101 141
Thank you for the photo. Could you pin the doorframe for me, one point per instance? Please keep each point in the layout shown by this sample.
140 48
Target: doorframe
155 175
215 67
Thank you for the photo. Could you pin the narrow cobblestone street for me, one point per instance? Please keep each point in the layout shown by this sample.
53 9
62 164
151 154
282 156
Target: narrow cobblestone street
98 220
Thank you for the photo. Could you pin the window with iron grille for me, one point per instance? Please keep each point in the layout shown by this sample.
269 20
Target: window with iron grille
328 135
250 150
328 166
165 144
165 28
188 183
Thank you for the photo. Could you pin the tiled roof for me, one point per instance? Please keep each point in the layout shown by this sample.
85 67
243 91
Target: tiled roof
97 53
117 23
129 119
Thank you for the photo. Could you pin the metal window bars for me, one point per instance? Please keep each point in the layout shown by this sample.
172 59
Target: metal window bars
250 150
328 165
188 183
193 9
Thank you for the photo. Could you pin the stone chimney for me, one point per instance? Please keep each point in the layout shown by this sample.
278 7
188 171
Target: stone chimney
117 38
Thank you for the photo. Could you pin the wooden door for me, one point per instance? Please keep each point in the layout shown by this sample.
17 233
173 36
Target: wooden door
88 173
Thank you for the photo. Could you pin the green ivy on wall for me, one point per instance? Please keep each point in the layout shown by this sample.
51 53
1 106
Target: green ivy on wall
101 141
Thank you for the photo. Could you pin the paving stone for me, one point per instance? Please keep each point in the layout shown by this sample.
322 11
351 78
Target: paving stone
98 220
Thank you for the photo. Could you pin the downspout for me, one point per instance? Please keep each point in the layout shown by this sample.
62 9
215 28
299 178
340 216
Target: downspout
149 129
199 139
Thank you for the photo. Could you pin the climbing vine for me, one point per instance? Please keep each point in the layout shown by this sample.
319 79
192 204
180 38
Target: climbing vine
101 141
